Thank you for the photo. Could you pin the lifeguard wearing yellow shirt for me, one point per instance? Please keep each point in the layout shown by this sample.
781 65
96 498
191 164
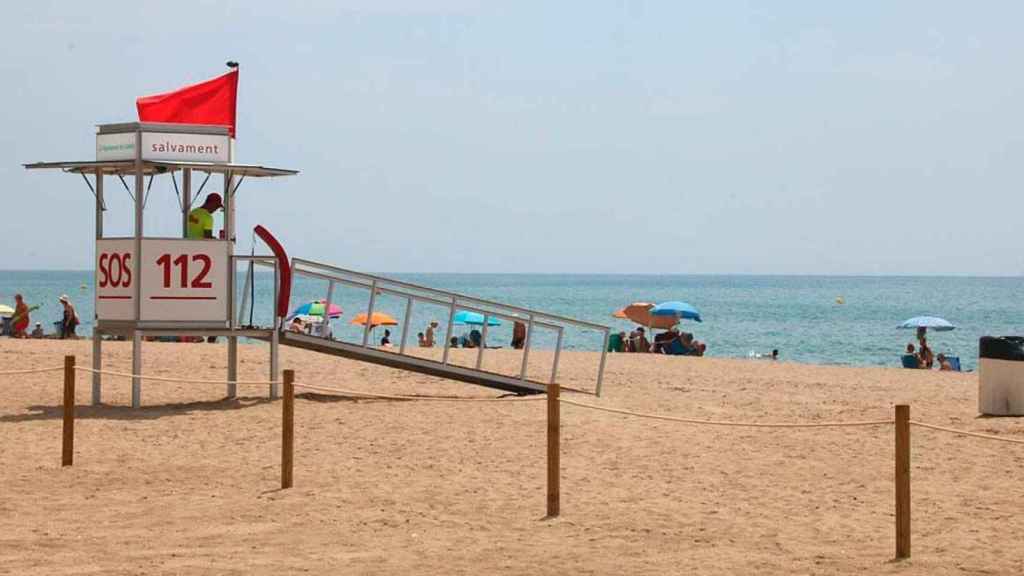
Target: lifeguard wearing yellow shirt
200 220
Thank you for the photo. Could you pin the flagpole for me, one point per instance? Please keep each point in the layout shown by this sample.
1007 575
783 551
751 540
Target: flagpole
229 236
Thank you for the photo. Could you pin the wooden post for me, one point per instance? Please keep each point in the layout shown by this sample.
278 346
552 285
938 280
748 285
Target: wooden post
554 413
287 429
902 481
67 455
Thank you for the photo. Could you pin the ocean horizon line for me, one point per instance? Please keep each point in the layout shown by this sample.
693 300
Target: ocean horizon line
615 274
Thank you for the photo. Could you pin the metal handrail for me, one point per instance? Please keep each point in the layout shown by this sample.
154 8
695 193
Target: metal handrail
453 301
266 261
461 297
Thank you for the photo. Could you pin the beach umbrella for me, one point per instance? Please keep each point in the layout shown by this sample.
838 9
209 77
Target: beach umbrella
315 308
639 312
676 309
474 319
378 319
6 310
932 322
620 313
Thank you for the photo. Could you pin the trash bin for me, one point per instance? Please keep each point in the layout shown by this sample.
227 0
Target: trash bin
1001 375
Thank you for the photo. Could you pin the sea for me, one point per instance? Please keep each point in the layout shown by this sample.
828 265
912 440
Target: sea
839 320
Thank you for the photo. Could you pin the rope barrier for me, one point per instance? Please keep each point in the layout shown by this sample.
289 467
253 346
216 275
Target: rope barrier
966 433
31 371
181 380
726 423
371 395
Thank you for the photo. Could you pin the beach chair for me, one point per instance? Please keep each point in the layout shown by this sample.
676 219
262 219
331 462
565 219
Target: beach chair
615 343
676 348
954 362
910 361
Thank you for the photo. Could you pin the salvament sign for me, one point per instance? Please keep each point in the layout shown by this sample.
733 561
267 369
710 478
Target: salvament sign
163 142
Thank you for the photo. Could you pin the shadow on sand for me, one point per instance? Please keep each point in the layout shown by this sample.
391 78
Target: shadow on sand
108 412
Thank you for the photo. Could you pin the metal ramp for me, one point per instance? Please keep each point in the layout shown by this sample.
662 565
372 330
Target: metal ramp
413 364
399 356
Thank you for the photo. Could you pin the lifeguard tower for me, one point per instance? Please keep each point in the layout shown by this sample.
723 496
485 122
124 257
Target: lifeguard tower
157 286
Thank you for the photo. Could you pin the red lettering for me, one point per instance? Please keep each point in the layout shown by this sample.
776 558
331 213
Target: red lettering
125 259
198 281
115 281
103 280
182 261
165 261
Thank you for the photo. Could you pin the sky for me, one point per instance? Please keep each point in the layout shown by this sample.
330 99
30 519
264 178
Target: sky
871 137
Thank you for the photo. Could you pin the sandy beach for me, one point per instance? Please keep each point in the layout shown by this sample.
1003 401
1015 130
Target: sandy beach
188 484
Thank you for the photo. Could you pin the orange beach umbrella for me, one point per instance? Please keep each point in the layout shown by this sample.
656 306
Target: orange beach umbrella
378 319
639 312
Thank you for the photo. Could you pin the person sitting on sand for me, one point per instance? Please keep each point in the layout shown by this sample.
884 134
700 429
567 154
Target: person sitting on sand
910 357
664 340
296 326
642 344
421 339
385 342
693 346
37 332
454 342
944 364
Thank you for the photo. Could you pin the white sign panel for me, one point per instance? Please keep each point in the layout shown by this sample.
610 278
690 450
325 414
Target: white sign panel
119 146
185 280
184 147
115 282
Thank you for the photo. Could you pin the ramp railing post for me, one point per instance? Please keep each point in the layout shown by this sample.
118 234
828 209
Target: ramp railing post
405 324
554 455
558 351
275 347
246 288
600 367
67 455
288 430
325 329
902 481
526 346
448 332
369 313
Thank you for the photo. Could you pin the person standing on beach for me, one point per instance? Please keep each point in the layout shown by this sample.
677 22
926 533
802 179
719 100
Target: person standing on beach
428 338
70 320
925 356
518 335
20 320
200 220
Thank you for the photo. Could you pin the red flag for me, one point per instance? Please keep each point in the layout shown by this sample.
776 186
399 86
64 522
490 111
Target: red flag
210 102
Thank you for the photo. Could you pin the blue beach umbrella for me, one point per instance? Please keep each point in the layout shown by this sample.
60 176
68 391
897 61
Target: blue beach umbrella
680 310
930 322
474 319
